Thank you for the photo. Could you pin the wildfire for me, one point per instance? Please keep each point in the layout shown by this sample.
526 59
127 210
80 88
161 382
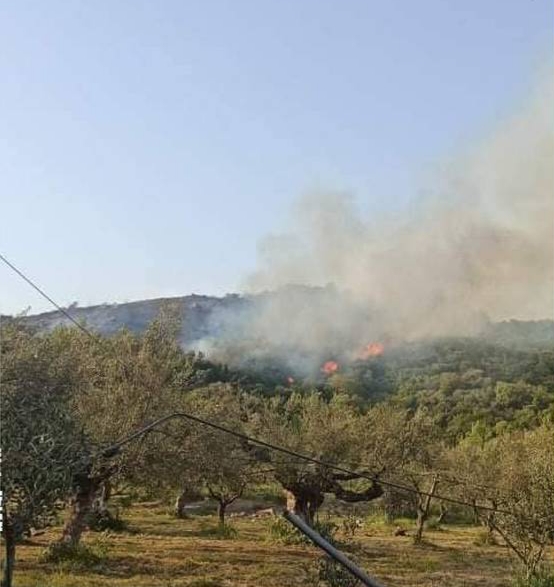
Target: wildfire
329 367
373 349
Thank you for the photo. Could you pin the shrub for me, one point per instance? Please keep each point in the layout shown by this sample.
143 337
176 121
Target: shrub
76 556
221 532
327 529
433 524
333 574
350 525
100 521
541 579
376 519
282 531
484 538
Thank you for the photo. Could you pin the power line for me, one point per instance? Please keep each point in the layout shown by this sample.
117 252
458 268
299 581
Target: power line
114 449
47 297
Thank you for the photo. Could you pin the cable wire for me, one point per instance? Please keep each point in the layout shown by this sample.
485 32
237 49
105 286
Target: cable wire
46 296
113 449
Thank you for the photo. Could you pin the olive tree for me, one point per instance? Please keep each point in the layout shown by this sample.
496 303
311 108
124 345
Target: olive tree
473 471
404 448
221 461
328 430
514 475
132 380
43 448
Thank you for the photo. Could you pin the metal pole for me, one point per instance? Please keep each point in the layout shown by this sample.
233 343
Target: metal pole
335 554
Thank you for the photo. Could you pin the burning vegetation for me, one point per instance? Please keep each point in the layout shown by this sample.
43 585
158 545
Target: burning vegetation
373 349
329 367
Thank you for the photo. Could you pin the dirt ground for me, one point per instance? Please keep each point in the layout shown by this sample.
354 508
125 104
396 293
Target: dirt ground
158 550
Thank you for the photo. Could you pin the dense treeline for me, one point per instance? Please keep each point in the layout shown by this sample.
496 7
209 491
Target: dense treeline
466 383
459 418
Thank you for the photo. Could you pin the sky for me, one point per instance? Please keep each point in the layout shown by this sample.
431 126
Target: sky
147 147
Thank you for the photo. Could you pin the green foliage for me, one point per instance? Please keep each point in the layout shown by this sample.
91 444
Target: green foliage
461 381
542 578
513 474
333 574
220 532
433 523
369 381
462 407
77 557
330 429
42 444
284 532
103 520
326 529
280 530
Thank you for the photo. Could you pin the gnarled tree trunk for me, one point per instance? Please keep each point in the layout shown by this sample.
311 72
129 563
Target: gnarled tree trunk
86 490
100 502
304 502
304 498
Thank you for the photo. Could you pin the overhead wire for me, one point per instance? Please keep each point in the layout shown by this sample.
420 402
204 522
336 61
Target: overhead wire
113 449
47 297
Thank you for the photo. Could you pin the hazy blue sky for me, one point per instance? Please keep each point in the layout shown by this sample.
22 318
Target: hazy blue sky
145 147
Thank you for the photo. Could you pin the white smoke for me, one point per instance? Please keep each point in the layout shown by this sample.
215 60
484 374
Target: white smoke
480 248
483 245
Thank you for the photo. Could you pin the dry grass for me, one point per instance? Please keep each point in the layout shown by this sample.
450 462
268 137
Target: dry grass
160 551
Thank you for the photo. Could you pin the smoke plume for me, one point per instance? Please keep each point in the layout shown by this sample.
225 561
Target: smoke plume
481 247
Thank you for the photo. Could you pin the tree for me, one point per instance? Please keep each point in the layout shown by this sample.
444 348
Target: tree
43 446
420 470
514 474
188 457
405 447
473 473
328 431
220 463
132 380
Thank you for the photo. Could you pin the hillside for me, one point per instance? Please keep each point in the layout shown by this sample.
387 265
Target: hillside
210 317
198 314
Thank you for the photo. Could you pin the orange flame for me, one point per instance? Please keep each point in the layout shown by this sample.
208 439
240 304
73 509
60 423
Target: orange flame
329 367
373 349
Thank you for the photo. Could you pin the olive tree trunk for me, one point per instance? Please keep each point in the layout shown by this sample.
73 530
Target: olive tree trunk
83 502
304 503
180 502
221 508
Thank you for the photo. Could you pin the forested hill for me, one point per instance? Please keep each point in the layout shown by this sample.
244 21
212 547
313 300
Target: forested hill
521 333
199 315
202 316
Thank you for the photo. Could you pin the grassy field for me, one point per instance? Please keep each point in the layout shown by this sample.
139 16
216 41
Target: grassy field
160 551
